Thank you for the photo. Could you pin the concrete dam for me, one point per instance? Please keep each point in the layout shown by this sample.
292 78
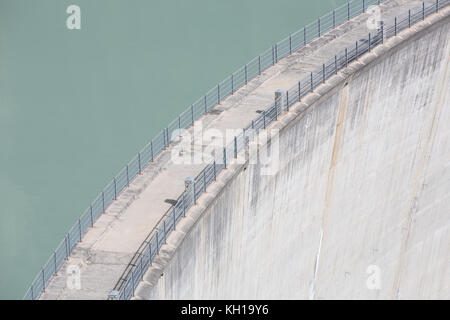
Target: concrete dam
358 206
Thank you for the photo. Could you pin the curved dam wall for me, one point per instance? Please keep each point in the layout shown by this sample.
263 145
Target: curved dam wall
359 206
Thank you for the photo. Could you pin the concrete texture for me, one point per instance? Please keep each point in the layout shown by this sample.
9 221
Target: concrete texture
363 184
107 248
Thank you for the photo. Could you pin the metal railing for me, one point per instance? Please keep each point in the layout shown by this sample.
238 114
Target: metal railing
144 256
149 248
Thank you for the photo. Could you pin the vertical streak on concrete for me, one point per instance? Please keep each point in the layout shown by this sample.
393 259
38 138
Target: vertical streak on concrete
312 291
342 110
420 174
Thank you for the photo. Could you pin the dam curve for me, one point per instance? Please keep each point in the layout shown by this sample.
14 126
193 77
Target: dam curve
361 187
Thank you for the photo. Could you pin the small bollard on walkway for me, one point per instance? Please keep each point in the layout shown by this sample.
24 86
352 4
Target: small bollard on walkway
278 94
278 102
188 182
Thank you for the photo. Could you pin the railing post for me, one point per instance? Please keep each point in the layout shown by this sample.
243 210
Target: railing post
214 168
179 122
184 205
193 188
290 44
348 11
174 218
103 201
218 95
409 18
369 41
346 57
139 159
273 56
168 137
115 190
264 118
232 84
437 5
395 26
192 114
323 73
204 181
276 110
299 91
43 280
356 52
150 252
304 36
165 236
287 100
132 283
276 52
423 10
92 218
235 147
364 6
67 246
79 228
382 33
259 64
318 25
246 80
334 18
141 263
128 178
225 157
312 83
335 65
151 148
54 260
164 136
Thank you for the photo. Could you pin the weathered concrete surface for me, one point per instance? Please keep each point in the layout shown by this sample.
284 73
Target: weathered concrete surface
107 248
364 180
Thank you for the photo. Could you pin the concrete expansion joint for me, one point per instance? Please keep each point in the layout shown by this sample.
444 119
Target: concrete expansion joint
207 198
156 268
288 117
170 245
164 256
278 125
299 108
368 58
200 205
379 50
